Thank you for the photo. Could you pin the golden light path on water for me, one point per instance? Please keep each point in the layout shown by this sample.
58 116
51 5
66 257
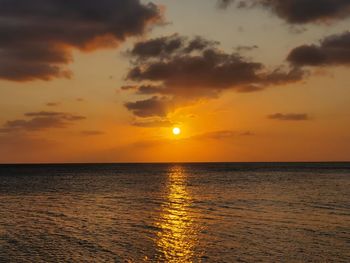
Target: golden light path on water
177 238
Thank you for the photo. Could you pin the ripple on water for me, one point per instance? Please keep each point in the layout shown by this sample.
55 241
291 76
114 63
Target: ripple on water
175 213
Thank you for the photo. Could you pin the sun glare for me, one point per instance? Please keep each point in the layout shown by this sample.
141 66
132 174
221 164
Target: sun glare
176 131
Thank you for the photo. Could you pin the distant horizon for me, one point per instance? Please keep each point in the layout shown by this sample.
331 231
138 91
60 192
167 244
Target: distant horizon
210 162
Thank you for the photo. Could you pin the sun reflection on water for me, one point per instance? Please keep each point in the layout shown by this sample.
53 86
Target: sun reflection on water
177 237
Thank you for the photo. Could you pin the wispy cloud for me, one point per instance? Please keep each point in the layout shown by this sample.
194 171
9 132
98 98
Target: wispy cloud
289 116
42 120
91 132
53 104
219 135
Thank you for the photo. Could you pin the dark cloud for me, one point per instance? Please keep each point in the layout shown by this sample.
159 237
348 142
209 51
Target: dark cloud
246 48
199 44
299 11
61 115
155 106
195 69
225 3
163 47
37 121
37 37
144 89
333 50
157 47
207 68
289 117
150 89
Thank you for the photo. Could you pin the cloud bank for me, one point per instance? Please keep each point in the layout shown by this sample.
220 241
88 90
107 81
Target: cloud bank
299 11
37 37
176 69
332 50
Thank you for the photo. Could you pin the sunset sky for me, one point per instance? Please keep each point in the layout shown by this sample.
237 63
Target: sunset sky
108 80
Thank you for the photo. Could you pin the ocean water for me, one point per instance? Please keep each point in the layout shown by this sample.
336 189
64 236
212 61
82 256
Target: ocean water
218 212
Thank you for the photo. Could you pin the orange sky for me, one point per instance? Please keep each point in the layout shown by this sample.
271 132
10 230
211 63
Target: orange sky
247 92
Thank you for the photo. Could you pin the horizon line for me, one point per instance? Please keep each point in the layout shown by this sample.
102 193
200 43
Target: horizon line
194 162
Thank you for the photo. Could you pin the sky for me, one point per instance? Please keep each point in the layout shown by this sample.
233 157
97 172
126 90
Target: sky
108 80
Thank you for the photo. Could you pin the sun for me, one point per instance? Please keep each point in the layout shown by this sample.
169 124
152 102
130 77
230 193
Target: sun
176 131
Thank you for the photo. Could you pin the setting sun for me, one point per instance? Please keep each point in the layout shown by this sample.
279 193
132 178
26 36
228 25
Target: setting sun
176 131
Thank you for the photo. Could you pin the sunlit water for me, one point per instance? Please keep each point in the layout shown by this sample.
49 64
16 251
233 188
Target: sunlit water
175 213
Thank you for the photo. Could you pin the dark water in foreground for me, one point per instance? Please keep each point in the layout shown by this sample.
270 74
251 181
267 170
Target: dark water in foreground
175 213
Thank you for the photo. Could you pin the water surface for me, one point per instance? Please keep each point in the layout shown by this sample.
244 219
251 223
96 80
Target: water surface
219 212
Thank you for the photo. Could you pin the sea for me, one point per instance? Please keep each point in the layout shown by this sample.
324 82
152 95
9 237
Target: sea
175 212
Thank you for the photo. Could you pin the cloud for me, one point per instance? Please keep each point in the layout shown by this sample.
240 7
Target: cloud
37 37
289 117
219 135
144 89
332 50
53 104
157 47
299 11
37 121
154 106
246 48
91 133
128 87
225 3
192 69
